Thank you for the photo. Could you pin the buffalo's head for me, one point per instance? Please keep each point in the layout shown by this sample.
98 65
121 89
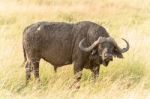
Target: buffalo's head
106 47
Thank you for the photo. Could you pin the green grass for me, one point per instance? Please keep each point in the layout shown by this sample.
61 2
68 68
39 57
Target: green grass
122 79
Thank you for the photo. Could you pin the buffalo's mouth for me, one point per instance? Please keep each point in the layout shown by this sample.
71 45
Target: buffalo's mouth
106 61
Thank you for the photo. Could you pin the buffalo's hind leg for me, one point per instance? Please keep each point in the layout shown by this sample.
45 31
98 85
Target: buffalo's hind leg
36 70
28 68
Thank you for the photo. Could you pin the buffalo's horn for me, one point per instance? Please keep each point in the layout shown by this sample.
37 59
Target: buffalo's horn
122 50
127 46
88 49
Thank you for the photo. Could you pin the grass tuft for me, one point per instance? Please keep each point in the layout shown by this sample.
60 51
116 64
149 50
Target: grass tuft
127 78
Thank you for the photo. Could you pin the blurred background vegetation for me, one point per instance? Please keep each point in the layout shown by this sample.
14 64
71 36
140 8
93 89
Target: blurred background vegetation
122 79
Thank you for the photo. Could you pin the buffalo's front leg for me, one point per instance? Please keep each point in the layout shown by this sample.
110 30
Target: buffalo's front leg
55 69
77 75
95 72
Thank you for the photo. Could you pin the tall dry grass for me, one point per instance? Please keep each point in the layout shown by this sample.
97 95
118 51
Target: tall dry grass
123 79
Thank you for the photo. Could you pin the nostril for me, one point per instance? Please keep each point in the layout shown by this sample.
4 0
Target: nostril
109 55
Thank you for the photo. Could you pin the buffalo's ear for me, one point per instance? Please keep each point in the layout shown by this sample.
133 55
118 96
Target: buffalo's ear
117 53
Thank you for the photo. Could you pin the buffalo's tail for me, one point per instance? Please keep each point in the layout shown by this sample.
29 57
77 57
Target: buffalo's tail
25 57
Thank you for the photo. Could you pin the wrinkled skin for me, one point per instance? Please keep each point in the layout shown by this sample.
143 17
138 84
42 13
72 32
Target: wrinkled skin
58 44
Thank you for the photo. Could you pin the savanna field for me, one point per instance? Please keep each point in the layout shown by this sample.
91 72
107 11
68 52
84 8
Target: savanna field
127 78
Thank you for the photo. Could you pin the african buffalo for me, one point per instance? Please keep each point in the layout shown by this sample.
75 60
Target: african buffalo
86 44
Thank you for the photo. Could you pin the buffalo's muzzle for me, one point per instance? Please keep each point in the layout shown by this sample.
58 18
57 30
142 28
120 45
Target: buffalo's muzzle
108 57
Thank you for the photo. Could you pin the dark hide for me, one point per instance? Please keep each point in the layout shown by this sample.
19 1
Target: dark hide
58 44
